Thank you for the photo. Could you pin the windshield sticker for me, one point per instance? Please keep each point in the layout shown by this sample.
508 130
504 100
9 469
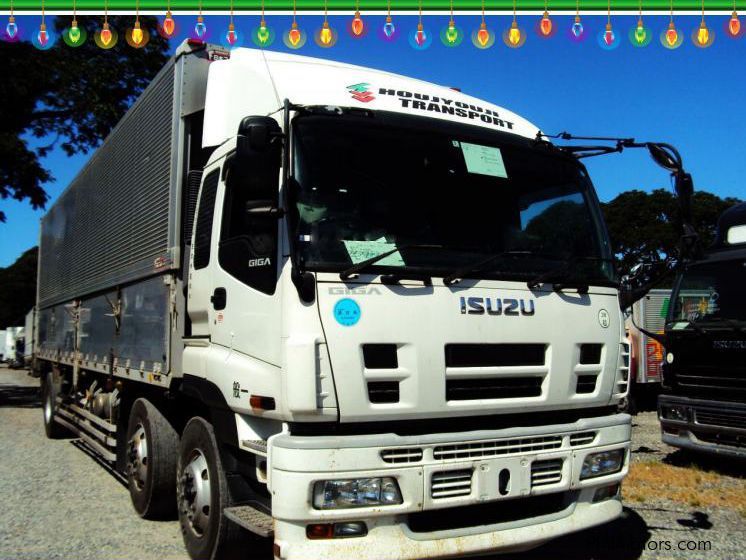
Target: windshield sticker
347 312
484 160
360 251
680 326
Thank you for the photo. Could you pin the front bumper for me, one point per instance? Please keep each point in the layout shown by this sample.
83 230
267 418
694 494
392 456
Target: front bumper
709 426
544 499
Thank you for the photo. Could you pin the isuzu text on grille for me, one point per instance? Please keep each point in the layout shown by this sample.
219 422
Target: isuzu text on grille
496 306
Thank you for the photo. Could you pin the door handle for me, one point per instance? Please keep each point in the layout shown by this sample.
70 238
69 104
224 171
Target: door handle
219 299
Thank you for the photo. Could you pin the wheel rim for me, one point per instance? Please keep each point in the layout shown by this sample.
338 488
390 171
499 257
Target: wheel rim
138 457
195 493
48 406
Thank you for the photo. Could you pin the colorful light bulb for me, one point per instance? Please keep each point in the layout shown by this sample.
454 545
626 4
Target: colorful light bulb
357 25
483 36
137 33
231 36
12 28
703 34
262 33
734 25
640 32
388 27
451 32
43 36
577 27
325 36
420 37
294 35
546 24
609 35
74 32
105 35
200 28
514 35
672 36
169 25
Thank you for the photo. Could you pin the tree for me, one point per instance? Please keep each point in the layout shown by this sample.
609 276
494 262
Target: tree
72 96
647 224
18 289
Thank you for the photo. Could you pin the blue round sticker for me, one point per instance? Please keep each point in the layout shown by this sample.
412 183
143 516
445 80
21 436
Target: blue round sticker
347 312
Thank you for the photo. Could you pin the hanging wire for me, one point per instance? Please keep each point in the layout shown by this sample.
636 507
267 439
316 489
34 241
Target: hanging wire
294 11
608 12
671 11
420 13
388 7
483 23
514 8
325 11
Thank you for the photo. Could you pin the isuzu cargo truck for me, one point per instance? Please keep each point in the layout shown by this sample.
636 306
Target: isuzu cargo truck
361 315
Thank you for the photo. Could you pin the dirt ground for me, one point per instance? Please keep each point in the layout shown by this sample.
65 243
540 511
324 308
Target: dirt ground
59 502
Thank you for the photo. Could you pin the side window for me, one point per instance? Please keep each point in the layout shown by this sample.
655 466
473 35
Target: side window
248 238
205 213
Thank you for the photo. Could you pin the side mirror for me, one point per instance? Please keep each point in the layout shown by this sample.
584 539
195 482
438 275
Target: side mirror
663 157
257 136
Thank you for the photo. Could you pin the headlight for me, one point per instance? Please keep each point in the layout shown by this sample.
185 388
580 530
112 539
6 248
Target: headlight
359 492
675 412
599 464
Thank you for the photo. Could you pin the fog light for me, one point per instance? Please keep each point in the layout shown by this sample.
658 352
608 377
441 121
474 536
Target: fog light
605 493
359 492
350 529
669 358
675 412
599 464
320 531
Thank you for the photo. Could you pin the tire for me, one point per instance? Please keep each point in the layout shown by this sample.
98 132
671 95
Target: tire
49 392
202 494
151 450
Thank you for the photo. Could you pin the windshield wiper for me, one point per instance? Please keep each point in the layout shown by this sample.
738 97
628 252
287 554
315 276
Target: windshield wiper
362 265
461 273
560 272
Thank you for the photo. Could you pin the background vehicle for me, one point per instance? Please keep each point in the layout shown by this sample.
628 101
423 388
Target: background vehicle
646 353
703 407
339 307
29 332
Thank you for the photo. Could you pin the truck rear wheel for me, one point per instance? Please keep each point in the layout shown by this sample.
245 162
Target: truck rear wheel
202 494
49 392
151 450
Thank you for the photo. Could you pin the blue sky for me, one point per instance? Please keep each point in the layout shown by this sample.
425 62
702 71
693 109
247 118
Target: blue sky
690 97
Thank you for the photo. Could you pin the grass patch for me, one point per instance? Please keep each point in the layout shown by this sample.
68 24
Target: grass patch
651 480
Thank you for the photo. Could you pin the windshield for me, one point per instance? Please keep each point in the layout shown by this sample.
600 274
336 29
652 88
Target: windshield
711 292
447 195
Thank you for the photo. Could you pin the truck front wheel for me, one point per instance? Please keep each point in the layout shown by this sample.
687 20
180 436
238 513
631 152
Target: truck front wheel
49 392
151 451
202 493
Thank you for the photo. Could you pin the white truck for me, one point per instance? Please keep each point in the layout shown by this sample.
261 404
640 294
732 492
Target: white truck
29 333
359 314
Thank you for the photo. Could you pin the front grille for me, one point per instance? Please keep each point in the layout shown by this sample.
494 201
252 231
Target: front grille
590 353
380 356
402 455
725 418
492 513
450 484
714 379
733 440
546 472
493 388
582 438
383 391
586 384
495 355
493 448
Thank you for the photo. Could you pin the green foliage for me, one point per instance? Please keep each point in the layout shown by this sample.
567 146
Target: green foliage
69 96
646 224
18 289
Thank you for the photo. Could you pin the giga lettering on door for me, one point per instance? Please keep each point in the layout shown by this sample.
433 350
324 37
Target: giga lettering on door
496 306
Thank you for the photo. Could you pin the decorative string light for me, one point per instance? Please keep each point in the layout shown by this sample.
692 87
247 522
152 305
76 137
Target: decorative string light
483 38
357 26
231 36
639 36
734 25
11 30
74 36
451 36
200 29
388 27
326 36
514 36
136 34
670 37
74 32
169 25
295 38
106 35
42 36
419 38
545 25
263 35
608 35
703 37
577 26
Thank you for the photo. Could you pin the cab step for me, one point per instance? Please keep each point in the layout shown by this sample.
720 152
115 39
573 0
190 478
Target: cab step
251 519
